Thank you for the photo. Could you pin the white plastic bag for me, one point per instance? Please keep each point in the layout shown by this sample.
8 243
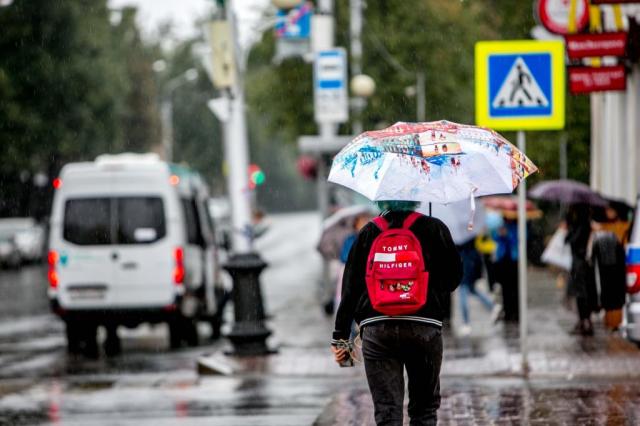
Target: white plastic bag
557 252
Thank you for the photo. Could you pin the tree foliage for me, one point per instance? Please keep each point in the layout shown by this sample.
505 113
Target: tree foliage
400 38
74 83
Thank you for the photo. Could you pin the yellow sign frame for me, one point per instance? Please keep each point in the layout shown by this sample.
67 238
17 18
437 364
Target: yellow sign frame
485 49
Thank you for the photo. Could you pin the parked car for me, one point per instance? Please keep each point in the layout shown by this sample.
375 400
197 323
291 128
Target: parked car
21 240
632 308
130 243
9 255
30 242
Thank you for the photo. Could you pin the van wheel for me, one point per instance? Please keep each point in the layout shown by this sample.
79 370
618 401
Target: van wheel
74 338
182 329
112 345
81 339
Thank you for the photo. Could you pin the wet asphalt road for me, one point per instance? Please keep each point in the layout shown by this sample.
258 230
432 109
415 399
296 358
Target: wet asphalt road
150 385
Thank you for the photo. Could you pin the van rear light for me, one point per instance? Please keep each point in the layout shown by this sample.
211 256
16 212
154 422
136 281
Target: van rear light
52 275
178 269
57 183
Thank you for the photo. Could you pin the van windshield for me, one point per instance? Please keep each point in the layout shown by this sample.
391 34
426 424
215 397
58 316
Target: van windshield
111 220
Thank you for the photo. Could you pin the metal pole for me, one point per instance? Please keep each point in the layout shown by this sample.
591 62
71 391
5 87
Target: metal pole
522 261
420 97
632 132
166 116
563 155
355 30
327 132
237 145
249 332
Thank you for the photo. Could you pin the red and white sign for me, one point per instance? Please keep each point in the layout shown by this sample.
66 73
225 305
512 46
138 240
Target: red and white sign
594 2
597 79
594 45
554 15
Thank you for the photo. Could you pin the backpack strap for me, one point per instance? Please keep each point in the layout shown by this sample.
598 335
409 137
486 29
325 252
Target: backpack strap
410 220
381 223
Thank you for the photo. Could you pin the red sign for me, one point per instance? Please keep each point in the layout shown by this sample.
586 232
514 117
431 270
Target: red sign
613 1
597 79
592 45
554 15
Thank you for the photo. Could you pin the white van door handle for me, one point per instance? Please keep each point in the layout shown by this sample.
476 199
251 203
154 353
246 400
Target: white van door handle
129 265
114 256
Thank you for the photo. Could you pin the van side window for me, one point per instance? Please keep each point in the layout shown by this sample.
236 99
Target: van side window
208 220
194 233
140 220
87 221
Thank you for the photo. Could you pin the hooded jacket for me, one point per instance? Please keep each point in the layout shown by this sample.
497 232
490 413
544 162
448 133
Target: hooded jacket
441 259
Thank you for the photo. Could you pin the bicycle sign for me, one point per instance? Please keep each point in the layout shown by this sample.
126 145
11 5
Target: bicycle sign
520 85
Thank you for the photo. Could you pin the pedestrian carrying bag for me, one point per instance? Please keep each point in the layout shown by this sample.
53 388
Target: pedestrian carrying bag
397 281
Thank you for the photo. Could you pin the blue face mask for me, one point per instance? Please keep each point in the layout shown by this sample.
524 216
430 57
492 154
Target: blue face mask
493 220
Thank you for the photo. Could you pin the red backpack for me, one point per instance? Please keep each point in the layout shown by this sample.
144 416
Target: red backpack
396 278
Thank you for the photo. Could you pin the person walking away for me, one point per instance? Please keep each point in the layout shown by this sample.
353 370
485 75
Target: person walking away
581 277
358 223
608 257
506 267
393 343
472 271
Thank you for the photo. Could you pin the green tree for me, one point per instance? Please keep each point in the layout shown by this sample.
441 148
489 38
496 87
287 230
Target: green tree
72 86
140 124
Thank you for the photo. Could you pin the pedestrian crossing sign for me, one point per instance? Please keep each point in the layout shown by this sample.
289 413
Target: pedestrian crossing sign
520 85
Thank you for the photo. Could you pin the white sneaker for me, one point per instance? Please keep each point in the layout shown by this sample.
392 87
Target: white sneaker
464 330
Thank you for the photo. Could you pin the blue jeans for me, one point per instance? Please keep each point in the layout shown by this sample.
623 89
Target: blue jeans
467 289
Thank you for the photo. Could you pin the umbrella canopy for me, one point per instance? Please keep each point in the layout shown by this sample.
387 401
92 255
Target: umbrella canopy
508 207
337 227
347 214
567 191
456 217
440 162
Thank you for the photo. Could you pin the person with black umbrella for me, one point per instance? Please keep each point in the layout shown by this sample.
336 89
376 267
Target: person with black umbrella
582 283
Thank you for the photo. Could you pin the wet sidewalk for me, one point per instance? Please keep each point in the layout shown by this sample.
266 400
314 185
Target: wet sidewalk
572 379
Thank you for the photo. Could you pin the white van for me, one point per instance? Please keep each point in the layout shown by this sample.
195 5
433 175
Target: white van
131 241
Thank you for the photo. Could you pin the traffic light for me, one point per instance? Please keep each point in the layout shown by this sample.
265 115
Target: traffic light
256 176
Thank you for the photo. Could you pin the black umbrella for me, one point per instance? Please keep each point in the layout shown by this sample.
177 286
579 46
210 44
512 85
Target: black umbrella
568 192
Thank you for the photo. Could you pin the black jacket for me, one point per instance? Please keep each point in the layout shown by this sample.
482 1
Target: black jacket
441 260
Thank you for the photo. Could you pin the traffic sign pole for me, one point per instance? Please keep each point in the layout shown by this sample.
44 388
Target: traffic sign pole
520 86
522 261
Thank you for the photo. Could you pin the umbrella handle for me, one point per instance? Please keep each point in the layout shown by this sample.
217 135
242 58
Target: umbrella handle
472 204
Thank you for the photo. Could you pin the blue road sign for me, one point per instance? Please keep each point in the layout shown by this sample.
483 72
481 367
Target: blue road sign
330 86
520 85
294 23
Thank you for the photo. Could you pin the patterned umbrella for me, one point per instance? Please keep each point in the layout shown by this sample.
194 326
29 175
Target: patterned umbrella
438 162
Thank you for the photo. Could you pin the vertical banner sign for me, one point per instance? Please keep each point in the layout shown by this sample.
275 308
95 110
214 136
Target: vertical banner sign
520 85
222 61
331 100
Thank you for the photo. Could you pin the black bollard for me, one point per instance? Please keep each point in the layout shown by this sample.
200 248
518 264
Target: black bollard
249 333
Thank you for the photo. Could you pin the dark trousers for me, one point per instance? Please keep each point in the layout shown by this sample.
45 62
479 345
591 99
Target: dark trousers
507 276
389 347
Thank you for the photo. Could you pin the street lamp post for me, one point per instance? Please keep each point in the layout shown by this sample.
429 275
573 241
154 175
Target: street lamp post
249 333
166 106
